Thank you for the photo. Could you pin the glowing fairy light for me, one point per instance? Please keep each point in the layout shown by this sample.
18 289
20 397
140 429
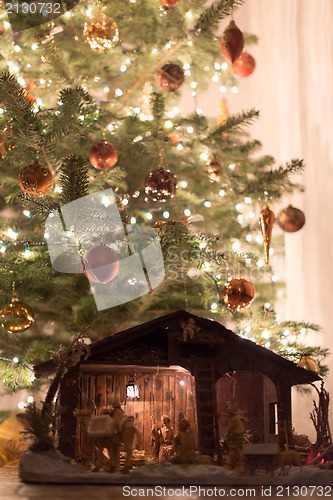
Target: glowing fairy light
149 216
187 212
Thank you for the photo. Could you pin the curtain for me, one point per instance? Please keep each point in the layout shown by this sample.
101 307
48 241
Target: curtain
293 90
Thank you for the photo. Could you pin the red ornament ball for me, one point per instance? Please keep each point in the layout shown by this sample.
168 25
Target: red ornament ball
232 42
36 179
170 77
101 264
244 65
103 155
237 294
160 185
169 3
291 219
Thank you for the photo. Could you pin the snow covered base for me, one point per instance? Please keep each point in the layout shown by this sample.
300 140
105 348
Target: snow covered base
51 468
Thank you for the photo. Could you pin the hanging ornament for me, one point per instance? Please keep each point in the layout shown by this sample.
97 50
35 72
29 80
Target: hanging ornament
4 146
101 33
214 169
170 77
160 185
291 219
101 264
16 317
36 179
232 42
237 294
103 155
266 221
169 3
244 65
223 113
309 364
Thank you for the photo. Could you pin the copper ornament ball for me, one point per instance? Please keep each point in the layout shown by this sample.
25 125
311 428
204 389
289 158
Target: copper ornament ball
101 33
214 169
101 264
170 77
291 219
16 317
103 155
244 65
237 294
169 3
36 179
160 185
232 42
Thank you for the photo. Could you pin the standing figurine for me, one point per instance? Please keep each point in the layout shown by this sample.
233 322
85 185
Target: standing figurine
155 441
86 447
167 435
235 437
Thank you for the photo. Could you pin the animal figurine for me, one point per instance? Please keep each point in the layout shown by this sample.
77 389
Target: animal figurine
189 329
117 429
287 459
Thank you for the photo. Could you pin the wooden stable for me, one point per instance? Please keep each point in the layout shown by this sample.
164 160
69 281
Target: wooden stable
181 377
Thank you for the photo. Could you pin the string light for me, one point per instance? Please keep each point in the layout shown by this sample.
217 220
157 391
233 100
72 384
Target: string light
187 212
166 214
149 216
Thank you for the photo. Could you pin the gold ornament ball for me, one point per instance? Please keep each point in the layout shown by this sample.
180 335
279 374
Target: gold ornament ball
237 294
101 33
16 317
291 219
309 364
214 170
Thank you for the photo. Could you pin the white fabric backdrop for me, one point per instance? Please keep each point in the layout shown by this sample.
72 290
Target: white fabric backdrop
293 89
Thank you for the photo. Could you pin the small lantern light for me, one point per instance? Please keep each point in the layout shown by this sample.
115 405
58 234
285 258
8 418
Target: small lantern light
132 390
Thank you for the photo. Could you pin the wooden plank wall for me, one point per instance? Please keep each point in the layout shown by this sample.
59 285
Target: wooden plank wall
160 394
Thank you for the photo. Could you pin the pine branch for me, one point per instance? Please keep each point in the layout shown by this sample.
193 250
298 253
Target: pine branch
74 179
233 123
73 103
215 13
39 206
26 124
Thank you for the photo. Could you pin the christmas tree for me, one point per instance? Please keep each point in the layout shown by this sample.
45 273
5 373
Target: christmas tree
89 97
